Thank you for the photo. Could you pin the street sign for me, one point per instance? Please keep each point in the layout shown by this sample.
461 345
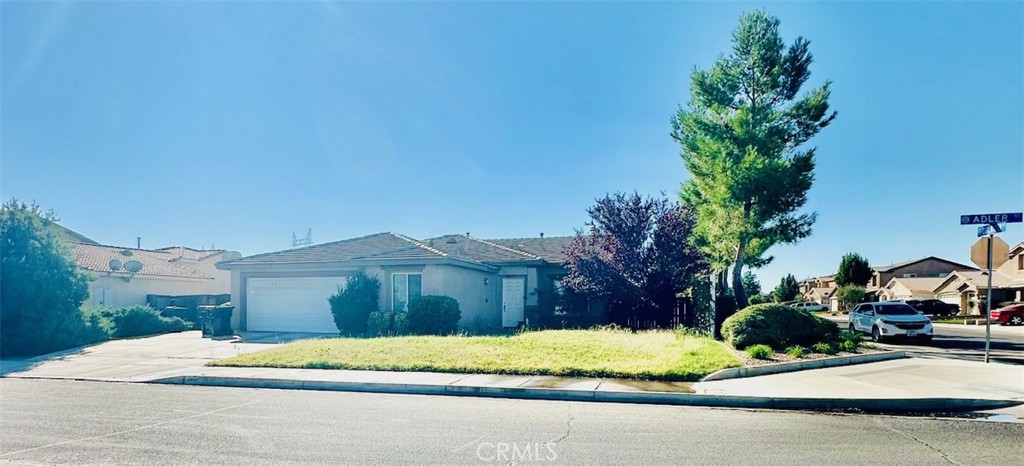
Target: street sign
990 252
988 219
1000 252
993 228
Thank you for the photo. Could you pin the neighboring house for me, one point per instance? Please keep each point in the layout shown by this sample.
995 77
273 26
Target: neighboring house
808 284
205 261
968 289
910 288
820 295
173 271
162 273
820 289
496 282
930 266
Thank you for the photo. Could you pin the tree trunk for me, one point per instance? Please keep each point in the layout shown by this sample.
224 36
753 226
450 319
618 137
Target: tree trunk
737 274
737 268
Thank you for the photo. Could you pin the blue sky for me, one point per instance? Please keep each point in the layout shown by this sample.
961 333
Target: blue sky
235 124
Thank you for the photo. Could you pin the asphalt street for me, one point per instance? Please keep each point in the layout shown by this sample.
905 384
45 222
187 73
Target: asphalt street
962 342
63 421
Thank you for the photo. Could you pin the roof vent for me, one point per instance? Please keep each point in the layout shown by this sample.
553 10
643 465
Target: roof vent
451 241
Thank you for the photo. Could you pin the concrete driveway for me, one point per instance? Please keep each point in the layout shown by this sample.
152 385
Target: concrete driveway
131 360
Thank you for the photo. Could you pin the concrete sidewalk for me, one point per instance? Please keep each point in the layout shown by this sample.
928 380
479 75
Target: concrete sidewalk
900 385
907 384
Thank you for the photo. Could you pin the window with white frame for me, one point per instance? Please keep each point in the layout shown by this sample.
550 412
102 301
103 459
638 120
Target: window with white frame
404 287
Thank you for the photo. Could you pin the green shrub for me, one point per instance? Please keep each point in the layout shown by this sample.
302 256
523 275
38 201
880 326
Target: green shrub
824 348
353 303
433 315
760 351
849 346
854 337
796 351
134 321
776 325
386 323
41 287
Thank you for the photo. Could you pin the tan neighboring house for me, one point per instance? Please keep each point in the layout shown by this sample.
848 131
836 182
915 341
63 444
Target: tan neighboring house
821 295
162 273
969 288
910 288
173 271
820 289
807 284
930 266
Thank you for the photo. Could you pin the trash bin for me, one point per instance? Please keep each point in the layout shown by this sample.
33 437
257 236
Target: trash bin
206 319
216 320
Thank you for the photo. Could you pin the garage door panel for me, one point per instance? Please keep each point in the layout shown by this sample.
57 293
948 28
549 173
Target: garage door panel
291 304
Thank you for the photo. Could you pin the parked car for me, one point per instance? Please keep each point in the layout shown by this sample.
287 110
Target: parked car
933 307
1009 315
890 319
810 306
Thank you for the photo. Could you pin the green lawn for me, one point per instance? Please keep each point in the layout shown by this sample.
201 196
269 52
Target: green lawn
656 355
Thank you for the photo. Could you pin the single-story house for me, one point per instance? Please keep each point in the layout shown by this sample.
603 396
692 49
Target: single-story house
496 282
172 271
161 273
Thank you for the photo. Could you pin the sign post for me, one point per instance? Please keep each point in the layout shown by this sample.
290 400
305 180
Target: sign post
992 224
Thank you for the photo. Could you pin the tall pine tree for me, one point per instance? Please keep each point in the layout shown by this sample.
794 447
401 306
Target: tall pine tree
743 137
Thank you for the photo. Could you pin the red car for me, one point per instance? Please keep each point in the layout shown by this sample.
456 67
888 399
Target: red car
1009 315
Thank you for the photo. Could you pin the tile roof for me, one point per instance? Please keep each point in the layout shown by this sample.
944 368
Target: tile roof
551 249
890 267
189 253
394 246
824 292
478 250
929 284
97 258
980 278
376 246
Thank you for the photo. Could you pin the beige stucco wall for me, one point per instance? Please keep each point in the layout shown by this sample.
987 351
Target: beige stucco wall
479 301
221 283
134 292
477 292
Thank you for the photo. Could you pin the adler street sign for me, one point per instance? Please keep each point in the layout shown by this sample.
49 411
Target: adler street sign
990 252
1000 252
988 219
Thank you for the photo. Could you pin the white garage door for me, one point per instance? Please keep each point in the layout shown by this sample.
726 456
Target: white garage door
291 304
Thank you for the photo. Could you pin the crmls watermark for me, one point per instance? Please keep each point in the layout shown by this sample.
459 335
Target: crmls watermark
505 452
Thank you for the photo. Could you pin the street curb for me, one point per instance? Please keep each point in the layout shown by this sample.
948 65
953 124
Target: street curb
661 398
782 367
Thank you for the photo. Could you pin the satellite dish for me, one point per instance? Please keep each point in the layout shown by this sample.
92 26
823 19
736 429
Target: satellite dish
115 265
126 253
133 266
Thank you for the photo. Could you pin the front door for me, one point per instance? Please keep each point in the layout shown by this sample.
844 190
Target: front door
513 301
